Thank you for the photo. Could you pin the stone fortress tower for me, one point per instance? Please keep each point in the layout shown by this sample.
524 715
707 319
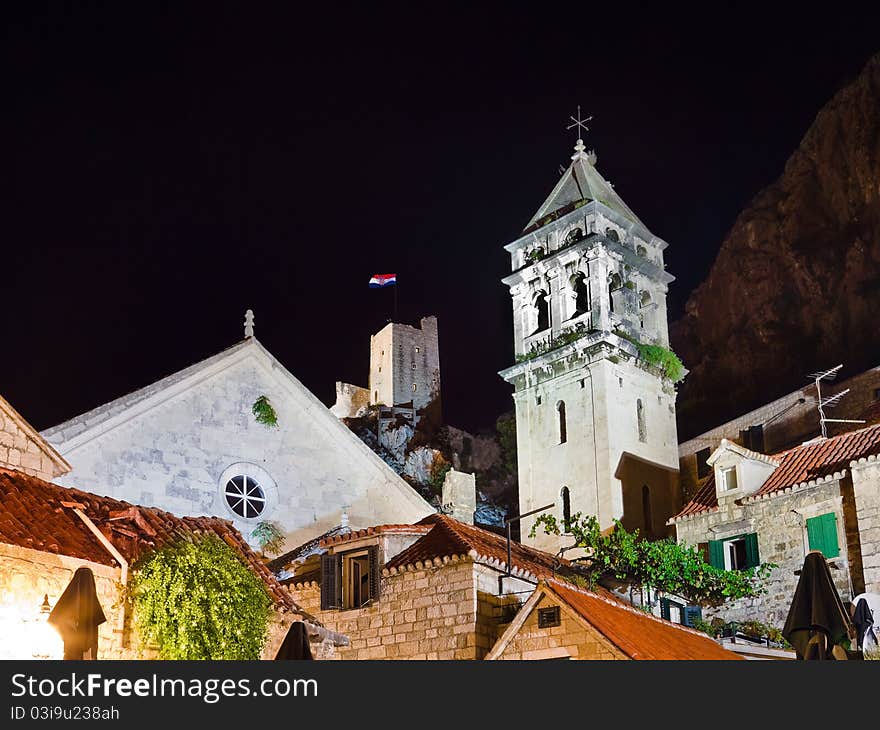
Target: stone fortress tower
595 423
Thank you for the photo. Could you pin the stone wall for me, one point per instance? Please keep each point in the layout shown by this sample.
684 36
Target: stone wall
780 523
434 611
19 451
572 638
405 364
352 401
26 576
866 489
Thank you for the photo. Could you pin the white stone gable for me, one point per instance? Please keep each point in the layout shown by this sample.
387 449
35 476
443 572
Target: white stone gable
177 443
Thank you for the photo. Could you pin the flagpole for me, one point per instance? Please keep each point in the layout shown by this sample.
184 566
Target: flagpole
395 301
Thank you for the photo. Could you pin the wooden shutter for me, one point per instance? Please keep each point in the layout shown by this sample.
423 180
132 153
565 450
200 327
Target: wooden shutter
664 608
822 534
691 614
373 552
716 553
331 583
752 559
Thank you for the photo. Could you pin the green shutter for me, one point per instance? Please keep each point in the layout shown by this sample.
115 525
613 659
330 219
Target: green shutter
752 560
691 615
815 534
664 608
716 553
822 534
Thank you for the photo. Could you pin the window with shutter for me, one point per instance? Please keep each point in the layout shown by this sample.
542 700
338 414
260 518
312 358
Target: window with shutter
331 586
374 572
822 534
752 559
716 554
692 614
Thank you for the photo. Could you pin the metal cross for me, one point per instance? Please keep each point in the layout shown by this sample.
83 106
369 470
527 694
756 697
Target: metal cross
580 123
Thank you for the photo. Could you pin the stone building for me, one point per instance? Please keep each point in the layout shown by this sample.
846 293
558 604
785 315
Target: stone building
47 532
821 495
781 424
440 589
596 430
405 365
562 621
192 445
23 449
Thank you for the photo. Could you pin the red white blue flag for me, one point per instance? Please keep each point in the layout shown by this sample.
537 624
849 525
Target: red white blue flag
377 281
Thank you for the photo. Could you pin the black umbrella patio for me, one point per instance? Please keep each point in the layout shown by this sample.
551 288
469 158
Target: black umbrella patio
77 616
817 621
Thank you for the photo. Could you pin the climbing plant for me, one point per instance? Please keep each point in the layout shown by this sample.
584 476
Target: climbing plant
660 357
264 412
197 600
662 565
269 536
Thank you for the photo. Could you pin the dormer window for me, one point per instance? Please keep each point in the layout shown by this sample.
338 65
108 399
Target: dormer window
728 478
350 579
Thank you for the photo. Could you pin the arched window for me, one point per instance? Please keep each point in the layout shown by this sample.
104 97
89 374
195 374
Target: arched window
614 285
563 430
581 286
543 307
646 509
566 508
640 416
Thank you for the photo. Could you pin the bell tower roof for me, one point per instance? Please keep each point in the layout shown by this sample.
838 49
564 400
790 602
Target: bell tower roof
582 181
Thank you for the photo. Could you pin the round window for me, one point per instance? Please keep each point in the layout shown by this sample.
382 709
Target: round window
245 496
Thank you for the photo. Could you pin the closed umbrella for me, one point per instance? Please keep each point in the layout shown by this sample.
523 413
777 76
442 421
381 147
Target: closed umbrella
817 620
296 643
77 616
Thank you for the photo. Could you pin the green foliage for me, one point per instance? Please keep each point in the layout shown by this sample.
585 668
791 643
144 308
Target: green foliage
264 412
629 285
536 254
663 565
439 468
199 601
270 537
658 356
552 343
506 429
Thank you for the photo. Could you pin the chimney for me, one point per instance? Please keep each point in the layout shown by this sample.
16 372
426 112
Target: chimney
459 496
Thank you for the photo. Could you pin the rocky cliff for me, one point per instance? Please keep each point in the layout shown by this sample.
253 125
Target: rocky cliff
796 284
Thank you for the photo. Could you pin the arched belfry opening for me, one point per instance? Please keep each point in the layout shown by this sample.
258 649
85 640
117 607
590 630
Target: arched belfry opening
543 310
581 286
614 291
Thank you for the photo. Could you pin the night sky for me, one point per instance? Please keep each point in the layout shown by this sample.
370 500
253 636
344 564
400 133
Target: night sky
164 170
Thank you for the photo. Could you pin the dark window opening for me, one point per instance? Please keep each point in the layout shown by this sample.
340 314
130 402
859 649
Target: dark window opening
640 417
549 617
563 431
543 307
566 507
703 469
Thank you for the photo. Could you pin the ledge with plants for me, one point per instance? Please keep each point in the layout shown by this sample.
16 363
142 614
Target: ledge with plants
657 356
565 337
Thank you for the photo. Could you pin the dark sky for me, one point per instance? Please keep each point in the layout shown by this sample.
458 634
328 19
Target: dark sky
165 169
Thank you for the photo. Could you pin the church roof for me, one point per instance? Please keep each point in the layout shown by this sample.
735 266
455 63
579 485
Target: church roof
52 463
582 182
39 515
814 460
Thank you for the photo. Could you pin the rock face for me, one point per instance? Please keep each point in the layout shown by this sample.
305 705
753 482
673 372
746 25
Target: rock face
796 285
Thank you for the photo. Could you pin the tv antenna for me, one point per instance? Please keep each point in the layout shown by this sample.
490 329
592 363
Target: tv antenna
829 401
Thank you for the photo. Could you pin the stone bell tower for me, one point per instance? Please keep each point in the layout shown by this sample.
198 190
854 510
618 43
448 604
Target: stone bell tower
595 413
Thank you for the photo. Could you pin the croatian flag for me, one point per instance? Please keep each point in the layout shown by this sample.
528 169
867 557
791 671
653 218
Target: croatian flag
377 281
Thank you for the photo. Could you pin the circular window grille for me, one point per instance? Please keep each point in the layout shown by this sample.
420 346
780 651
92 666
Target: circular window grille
245 496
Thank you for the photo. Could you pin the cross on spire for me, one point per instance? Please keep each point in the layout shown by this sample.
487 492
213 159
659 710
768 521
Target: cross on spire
579 123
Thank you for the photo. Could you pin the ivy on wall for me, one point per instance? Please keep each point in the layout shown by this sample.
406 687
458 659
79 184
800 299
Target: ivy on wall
264 412
197 600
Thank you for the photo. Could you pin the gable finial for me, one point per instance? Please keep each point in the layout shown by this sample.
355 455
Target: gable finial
249 323
581 124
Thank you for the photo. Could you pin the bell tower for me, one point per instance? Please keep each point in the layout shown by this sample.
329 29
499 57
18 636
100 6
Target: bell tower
594 378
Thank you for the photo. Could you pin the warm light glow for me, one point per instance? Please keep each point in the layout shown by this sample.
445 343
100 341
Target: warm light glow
25 634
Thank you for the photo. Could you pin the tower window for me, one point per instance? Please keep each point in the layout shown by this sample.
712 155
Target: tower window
566 508
418 350
543 308
583 382
538 400
640 417
413 366
563 431
581 287
415 387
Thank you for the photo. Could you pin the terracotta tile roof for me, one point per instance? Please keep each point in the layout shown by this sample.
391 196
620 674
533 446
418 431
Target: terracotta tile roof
32 516
376 530
303 551
448 536
636 633
809 461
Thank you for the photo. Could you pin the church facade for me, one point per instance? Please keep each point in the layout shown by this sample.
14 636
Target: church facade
596 431
191 444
